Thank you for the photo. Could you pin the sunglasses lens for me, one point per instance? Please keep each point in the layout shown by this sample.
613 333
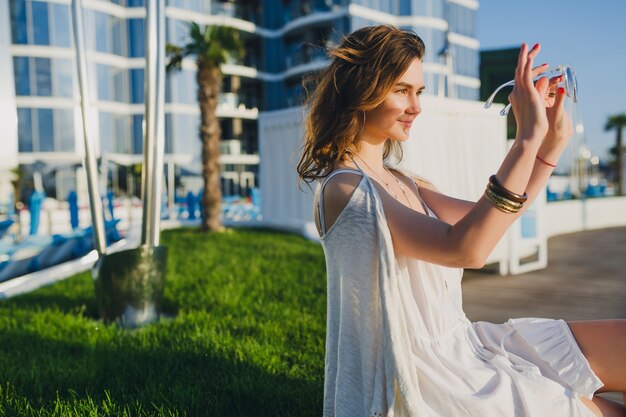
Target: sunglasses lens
571 84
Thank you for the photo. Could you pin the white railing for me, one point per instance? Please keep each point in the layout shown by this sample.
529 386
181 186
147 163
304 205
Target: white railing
591 213
230 147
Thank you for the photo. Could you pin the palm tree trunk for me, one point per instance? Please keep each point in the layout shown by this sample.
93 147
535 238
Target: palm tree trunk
620 162
209 85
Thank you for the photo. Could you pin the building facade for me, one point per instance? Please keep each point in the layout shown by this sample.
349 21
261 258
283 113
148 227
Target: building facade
284 39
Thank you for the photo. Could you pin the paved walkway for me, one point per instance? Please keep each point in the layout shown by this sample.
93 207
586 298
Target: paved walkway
585 280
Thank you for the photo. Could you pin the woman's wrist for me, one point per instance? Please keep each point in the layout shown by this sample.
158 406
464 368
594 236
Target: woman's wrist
543 161
527 145
549 155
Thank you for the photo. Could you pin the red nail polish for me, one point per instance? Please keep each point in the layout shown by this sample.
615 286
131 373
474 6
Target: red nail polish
561 90
536 45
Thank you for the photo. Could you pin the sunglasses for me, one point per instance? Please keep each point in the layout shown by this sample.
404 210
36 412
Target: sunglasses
568 82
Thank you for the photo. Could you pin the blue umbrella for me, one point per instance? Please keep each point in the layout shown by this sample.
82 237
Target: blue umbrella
72 199
110 197
36 199
191 206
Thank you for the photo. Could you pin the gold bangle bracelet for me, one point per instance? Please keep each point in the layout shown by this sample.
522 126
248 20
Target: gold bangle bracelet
500 205
504 200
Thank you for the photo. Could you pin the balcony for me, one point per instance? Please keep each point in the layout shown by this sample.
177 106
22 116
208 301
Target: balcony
304 54
250 59
236 105
245 12
301 8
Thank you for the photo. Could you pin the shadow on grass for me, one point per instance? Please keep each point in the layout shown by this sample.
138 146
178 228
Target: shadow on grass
184 381
80 299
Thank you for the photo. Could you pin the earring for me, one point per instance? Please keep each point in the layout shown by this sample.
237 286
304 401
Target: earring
363 126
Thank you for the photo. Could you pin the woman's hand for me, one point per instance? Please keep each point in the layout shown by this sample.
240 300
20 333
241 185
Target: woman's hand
560 129
527 98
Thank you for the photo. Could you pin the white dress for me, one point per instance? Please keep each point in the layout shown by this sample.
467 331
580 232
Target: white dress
399 344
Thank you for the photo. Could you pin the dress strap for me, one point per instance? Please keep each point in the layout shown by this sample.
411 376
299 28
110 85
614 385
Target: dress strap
319 194
357 165
417 191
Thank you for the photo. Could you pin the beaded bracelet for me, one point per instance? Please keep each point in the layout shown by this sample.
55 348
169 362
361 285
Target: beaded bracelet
499 189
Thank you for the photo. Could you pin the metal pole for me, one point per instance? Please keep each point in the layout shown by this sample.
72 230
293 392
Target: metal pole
91 168
154 137
171 187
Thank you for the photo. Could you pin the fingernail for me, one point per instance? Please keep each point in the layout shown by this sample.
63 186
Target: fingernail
543 65
536 45
561 90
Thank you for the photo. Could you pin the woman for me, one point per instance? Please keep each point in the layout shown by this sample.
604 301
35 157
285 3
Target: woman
398 342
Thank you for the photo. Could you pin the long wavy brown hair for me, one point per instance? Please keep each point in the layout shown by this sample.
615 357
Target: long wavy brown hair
362 70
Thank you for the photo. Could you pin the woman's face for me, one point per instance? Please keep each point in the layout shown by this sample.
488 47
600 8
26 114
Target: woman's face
394 116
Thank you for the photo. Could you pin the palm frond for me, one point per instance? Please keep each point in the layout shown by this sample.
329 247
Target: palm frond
175 55
616 121
214 43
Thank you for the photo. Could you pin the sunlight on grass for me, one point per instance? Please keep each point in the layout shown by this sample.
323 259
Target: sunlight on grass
244 336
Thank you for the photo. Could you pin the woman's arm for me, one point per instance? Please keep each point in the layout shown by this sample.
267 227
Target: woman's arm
469 241
451 210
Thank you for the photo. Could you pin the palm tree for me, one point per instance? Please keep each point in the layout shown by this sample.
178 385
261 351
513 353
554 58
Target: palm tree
618 122
212 46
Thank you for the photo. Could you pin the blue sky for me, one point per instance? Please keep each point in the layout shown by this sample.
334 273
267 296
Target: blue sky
588 35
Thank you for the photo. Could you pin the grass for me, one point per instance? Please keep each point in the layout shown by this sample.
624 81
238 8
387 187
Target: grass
244 337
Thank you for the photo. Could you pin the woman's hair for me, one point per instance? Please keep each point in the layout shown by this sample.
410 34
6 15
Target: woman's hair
362 70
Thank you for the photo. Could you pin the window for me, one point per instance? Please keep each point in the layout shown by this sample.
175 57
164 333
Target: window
136 38
18 22
46 131
183 131
24 130
462 20
40 23
64 124
105 121
115 132
62 77
100 32
180 87
137 139
43 77
112 83
60 17
137 86
22 78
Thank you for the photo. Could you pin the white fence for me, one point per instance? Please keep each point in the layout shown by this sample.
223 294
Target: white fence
592 213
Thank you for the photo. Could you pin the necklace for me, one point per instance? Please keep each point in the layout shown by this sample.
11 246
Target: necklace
386 184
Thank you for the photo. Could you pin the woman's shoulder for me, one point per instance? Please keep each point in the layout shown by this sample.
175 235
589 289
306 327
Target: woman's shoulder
339 188
340 183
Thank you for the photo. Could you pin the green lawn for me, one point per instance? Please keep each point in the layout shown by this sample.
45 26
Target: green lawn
244 337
